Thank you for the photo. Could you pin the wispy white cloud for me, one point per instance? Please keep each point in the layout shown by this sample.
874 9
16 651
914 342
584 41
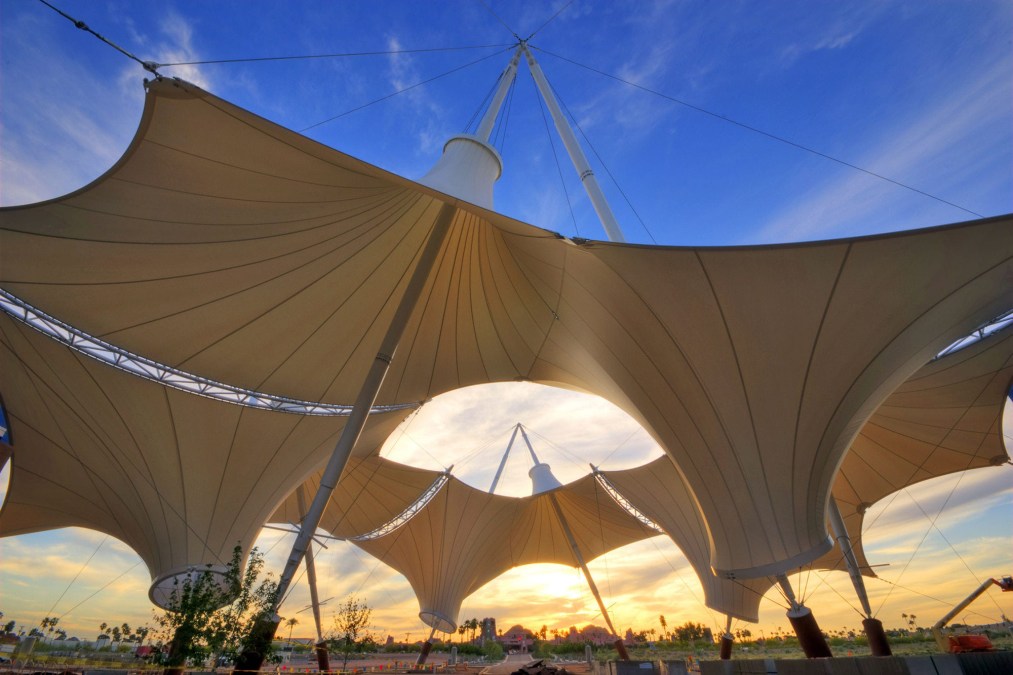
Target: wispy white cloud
176 45
427 120
80 122
847 24
945 134
470 428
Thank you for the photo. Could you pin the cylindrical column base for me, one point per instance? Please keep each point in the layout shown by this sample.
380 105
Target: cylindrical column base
810 637
726 646
261 636
323 658
877 637
427 647
621 648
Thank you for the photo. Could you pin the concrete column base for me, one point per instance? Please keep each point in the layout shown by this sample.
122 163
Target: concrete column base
262 635
810 637
323 658
726 646
877 637
427 647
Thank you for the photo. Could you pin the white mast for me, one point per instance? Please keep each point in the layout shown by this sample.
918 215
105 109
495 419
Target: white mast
455 173
470 165
542 480
587 177
499 471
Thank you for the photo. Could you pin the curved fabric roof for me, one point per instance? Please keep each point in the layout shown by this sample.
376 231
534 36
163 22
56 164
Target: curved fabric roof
372 492
657 491
944 419
465 537
179 478
275 264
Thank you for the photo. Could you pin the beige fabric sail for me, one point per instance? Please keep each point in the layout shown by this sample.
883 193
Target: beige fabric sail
180 478
465 537
657 491
241 251
371 493
945 419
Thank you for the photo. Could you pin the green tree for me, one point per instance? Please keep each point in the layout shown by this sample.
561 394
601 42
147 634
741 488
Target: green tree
689 631
493 650
49 624
351 627
205 617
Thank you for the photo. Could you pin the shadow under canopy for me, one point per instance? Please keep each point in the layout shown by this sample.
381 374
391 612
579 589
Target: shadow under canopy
236 249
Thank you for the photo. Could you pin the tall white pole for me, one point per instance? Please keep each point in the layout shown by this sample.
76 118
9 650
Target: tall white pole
367 395
311 570
534 457
580 561
844 540
505 80
499 471
587 177
266 625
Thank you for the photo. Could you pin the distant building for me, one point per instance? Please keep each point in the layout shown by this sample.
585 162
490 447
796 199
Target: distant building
488 630
518 638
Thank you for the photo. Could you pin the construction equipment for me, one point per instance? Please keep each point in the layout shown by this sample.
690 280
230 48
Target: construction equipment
956 644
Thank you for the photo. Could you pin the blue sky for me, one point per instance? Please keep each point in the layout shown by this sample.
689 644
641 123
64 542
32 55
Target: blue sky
919 92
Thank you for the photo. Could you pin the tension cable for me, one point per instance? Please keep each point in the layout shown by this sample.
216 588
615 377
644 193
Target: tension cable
150 66
780 139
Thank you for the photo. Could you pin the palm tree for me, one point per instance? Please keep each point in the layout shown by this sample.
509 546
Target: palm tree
461 629
291 623
664 626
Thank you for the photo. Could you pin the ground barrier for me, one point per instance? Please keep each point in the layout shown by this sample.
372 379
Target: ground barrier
984 663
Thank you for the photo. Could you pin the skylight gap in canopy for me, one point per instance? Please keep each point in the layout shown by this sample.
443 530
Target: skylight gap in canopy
469 428
990 328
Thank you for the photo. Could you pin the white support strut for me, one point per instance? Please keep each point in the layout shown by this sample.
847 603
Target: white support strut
848 551
505 80
580 163
364 402
581 562
311 570
499 471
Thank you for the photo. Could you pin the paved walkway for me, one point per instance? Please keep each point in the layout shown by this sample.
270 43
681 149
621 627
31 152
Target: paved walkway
511 663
